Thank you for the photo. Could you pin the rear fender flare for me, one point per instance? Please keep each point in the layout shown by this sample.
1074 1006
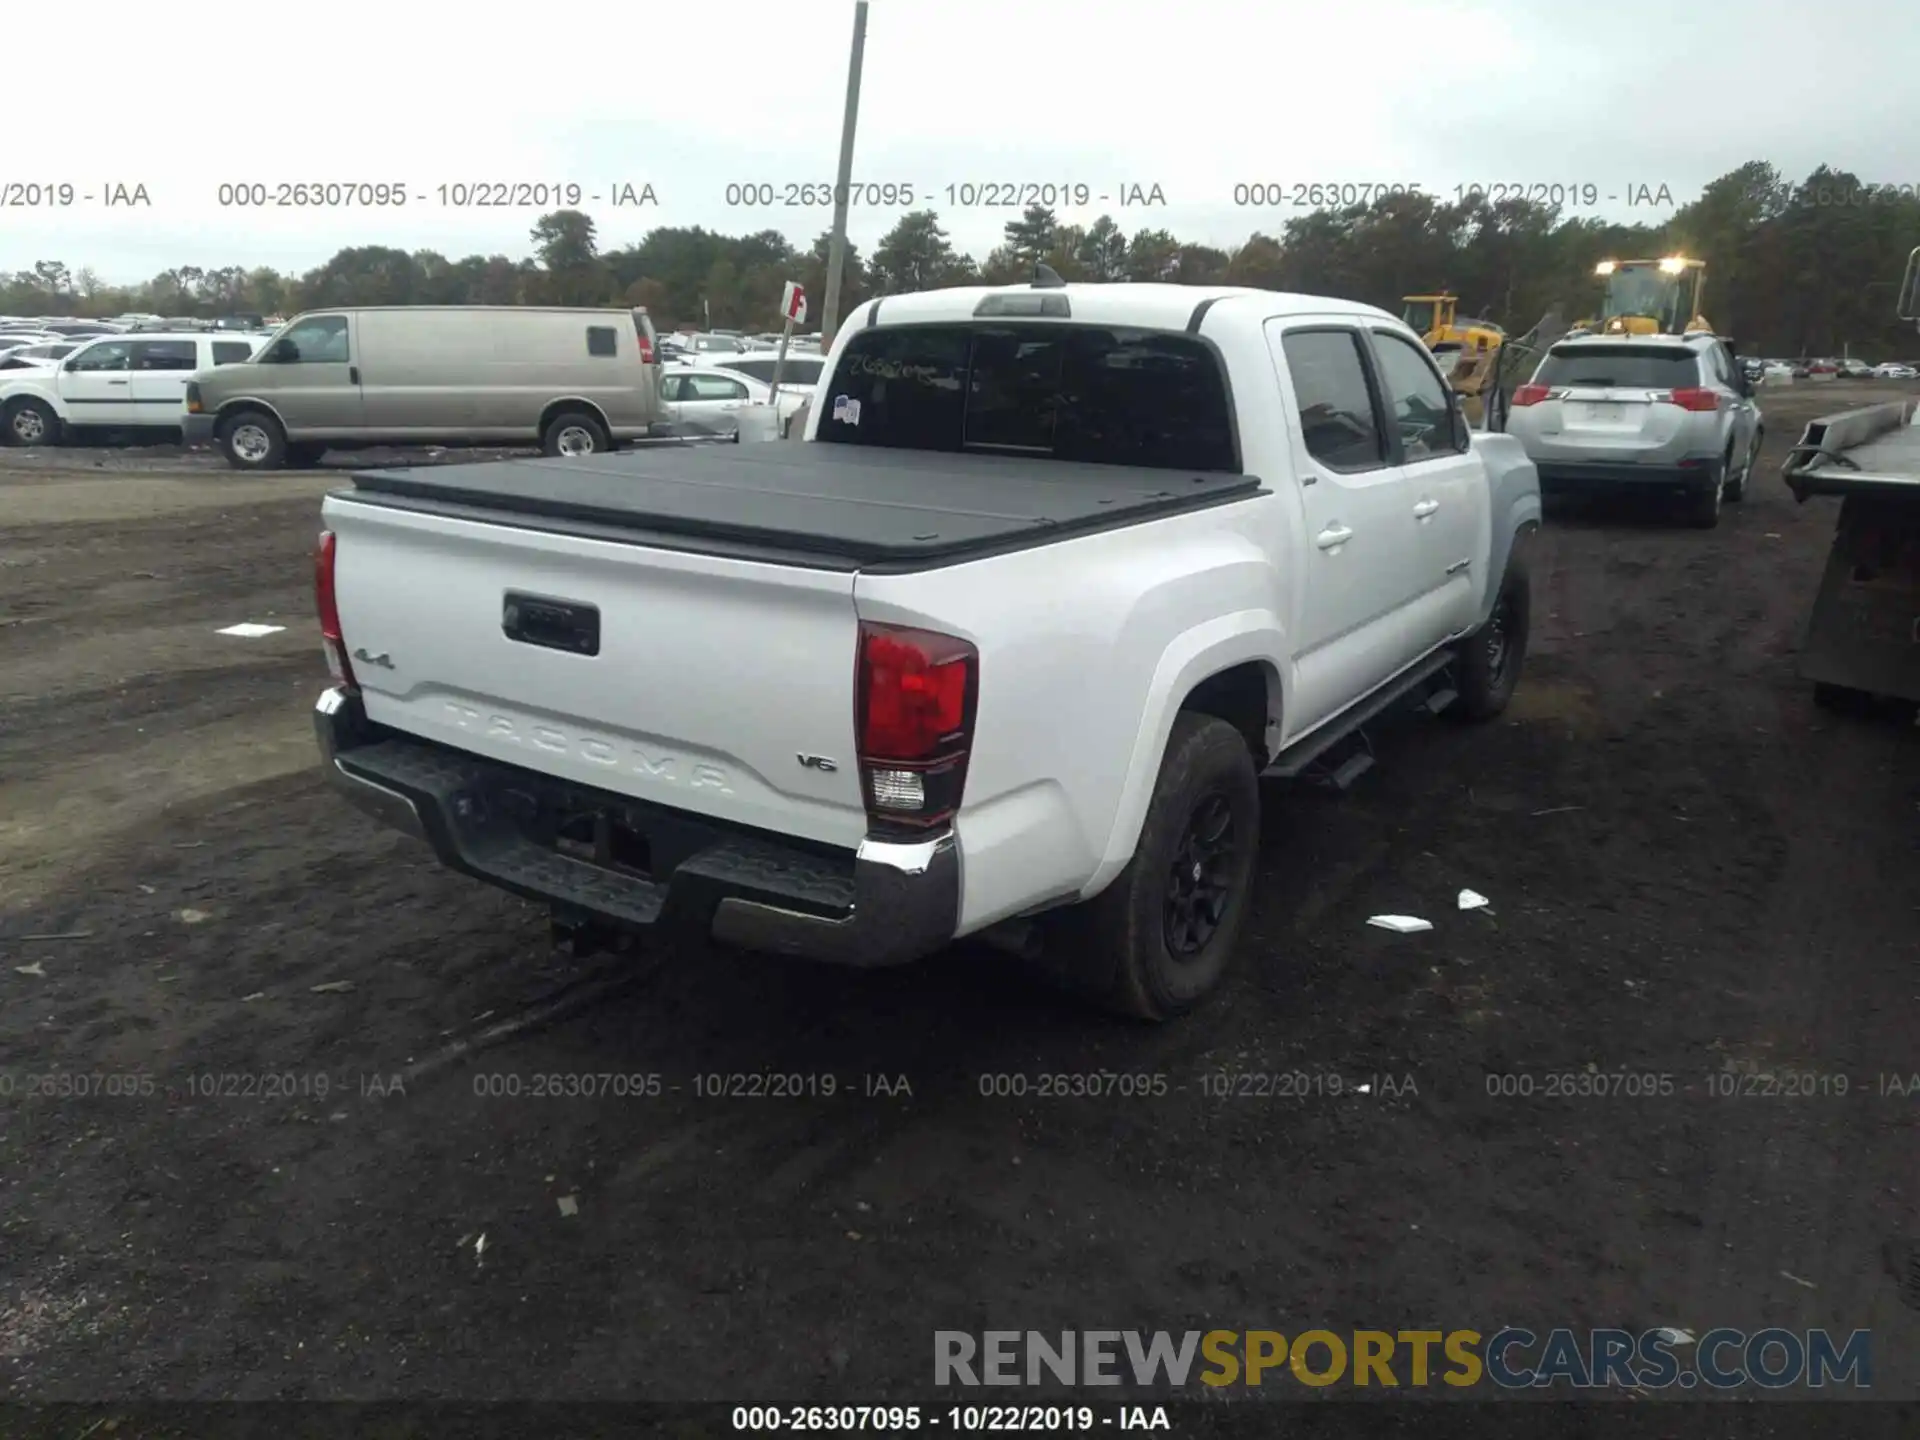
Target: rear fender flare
1205 650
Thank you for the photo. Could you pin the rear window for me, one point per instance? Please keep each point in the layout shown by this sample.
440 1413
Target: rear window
1068 392
1626 367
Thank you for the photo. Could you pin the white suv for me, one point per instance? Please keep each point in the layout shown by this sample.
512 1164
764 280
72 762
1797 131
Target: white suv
1664 412
119 382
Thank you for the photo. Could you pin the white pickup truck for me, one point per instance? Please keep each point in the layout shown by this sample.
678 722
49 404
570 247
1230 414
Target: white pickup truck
1002 649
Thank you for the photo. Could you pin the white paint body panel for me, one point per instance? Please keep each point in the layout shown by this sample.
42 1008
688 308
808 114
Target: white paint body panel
718 673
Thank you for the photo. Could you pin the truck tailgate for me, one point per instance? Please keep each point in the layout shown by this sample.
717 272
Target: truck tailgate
691 680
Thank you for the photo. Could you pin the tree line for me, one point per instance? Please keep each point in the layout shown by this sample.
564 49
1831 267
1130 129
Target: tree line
1804 268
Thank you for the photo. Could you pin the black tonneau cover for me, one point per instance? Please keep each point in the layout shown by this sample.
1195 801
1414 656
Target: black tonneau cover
862 505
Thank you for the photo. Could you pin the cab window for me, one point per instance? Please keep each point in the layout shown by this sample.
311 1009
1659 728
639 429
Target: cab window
1337 417
319 341
108 355
1416 399
1084 393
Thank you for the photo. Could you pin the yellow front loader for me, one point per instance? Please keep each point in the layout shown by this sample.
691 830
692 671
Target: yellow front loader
1464 348
1650 297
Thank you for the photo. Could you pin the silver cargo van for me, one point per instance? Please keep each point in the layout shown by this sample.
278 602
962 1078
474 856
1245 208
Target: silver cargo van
571 381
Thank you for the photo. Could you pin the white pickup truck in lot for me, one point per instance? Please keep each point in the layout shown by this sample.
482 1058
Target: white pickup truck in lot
1002 649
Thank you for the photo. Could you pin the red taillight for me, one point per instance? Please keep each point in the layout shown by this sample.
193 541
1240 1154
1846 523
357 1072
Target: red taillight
1699 401
646 350
916 696
1530 394
331 640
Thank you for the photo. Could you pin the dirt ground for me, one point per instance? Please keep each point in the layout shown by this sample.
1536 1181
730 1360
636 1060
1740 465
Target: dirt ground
1693 873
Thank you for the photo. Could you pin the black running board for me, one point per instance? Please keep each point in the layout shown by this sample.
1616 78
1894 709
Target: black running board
1309 748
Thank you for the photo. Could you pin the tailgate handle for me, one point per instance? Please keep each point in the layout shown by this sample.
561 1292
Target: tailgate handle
551 624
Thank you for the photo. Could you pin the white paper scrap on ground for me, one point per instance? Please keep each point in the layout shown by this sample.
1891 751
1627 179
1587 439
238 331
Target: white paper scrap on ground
1403 924
247 630
1473 900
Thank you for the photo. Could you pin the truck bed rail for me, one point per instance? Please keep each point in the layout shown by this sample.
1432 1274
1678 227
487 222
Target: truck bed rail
1873 448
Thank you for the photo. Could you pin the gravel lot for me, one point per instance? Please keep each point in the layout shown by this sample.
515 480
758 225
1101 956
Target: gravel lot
1693 872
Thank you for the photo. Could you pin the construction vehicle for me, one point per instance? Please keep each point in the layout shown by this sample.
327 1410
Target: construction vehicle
1650 297
1516 358
1463 348
1481 362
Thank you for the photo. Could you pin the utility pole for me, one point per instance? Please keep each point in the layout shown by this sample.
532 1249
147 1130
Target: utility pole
837 248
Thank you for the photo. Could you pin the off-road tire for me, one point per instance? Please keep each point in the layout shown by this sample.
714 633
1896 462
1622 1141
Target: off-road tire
1489 660
27 417
569 424
1118 949
252 440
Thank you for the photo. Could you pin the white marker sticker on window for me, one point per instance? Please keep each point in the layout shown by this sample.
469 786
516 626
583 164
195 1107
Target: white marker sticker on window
846 410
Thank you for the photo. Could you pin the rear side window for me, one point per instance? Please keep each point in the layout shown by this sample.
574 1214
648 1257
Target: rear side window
165 355
602 341
711 387
1623 367
1337 417
761 370
1066 392
231 352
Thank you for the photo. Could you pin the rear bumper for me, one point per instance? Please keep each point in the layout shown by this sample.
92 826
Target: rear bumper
197 429
1568 476
885 904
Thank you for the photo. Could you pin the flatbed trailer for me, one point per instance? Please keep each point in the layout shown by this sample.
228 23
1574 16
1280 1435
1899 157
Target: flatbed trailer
1863 637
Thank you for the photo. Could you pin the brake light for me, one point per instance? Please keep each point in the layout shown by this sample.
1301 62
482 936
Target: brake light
331 640
1697 400
915 700
1530 394
193 398
640 326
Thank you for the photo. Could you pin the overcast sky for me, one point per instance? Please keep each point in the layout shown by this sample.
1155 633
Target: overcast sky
1193 97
